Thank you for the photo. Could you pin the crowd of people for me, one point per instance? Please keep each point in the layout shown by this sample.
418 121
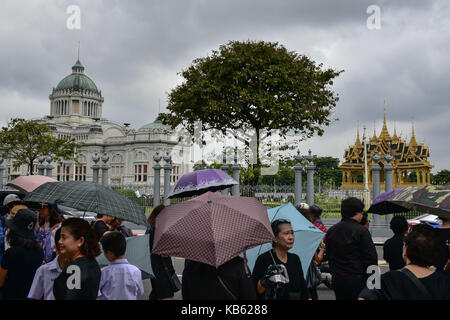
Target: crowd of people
46 257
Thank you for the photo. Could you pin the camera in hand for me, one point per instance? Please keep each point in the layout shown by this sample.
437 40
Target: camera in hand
275 276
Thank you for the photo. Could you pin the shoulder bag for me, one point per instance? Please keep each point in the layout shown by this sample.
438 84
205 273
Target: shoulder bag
422 289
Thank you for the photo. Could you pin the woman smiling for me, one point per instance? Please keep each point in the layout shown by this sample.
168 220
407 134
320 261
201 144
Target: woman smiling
80 279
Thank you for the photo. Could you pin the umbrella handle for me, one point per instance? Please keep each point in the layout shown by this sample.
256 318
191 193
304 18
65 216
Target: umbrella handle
247 271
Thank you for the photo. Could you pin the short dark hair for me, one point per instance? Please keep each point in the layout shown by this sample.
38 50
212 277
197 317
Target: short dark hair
80 228
351 206
423 245
276 227
57 236
115 242
316 210
399 225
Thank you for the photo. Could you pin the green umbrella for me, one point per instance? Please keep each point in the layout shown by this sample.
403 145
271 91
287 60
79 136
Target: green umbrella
89 196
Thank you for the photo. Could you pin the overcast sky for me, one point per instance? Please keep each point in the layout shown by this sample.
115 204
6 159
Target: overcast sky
134 49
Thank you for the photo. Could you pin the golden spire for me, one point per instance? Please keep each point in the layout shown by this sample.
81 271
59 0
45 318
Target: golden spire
358 144
384 131
413 141
395 137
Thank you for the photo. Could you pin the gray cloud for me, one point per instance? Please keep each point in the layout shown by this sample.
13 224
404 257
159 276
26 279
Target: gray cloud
133 50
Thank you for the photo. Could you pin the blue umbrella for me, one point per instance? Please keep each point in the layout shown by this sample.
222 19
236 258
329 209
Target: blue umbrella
307 236
138 254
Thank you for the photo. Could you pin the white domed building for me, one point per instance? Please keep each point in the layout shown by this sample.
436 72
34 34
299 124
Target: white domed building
76 106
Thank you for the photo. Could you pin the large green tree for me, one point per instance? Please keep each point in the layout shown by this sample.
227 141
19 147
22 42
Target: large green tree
442 177
254 86
24 141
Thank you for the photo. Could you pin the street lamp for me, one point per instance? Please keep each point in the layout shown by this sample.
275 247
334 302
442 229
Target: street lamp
366 184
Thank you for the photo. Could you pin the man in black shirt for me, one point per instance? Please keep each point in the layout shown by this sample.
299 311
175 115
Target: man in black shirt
350 251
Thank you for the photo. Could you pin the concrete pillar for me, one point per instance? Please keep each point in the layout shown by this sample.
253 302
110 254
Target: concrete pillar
376 183
167 171
2 169
95 167
157 180
236 170
105 168
388 179
310 179
224 168
298 179
41 165
49 166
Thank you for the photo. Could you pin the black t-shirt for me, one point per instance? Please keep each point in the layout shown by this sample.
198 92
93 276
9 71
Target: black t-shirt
393 252
21 264
161 287
445 254
90 274
227 282
395 285
297 283
100 228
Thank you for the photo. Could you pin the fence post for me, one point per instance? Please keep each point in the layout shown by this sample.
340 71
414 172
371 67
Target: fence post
236 170
224 168
388 179
157 180
2 169
41 165
310 179
298 179
167 171
95 167
376 183
105 168
49 166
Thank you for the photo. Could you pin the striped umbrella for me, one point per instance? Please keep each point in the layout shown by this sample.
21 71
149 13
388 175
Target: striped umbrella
89 196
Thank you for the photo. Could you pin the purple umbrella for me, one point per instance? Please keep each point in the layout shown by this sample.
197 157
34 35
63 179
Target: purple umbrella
198 182
381 205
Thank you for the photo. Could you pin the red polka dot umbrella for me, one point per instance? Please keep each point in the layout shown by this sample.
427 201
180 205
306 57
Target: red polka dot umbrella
211 228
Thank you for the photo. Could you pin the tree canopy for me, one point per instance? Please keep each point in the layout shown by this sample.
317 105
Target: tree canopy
254 86
24 141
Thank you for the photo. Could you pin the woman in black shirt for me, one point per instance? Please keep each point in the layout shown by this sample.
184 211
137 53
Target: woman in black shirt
296 288
416 281
80 279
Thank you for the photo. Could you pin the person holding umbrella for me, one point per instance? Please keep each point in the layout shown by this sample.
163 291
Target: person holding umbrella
161 265
229 281
280 261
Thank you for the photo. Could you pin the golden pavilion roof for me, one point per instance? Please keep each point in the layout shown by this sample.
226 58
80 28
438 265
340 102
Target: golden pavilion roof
406 154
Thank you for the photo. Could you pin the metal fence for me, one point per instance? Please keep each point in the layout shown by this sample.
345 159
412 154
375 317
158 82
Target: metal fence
270 195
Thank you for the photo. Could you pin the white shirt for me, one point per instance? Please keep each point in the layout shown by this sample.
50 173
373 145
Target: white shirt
120 281
42 286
